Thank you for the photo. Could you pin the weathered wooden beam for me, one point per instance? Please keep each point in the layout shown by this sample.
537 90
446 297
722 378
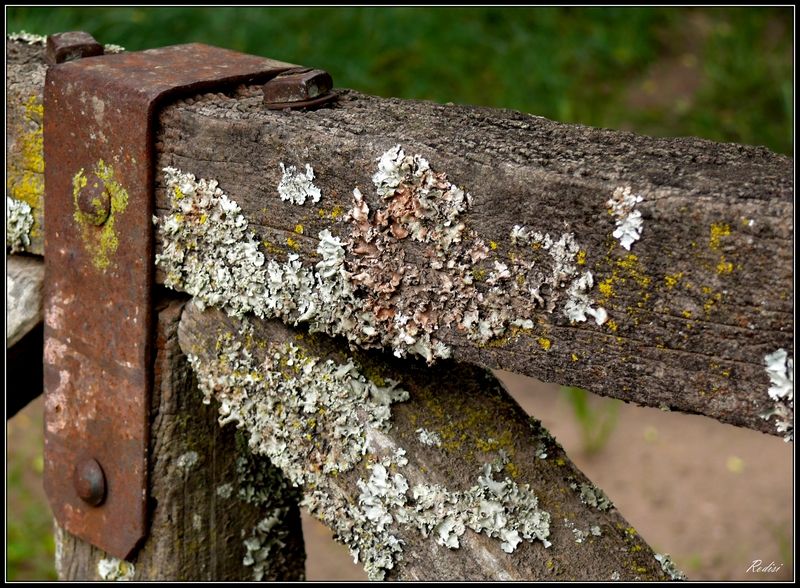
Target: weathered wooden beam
218 512
682 318
24 331
425 473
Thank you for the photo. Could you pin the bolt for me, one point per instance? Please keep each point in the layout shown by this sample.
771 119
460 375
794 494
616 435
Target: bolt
69 46
90 482
94 201
298 88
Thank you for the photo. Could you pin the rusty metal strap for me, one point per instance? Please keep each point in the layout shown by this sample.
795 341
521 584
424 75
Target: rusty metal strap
99 117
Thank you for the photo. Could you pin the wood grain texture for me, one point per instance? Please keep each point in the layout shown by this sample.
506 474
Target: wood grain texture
476 420
685 333
197 532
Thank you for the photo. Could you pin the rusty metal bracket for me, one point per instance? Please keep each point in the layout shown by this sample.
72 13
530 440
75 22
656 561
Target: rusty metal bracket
99 118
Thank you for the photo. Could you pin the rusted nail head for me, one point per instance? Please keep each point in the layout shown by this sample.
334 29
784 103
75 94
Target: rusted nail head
90 482
297 86
71 45
94 201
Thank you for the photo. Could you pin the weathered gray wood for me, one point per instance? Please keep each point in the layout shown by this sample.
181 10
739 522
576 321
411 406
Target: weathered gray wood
693 308
687 331
24 331
24 283
199 474
476 421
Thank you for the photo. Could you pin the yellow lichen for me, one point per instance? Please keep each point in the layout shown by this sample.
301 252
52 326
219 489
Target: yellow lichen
581 257
574 357
612 326
606 288
724 267
271 248
298 229
100 241
544 343
25 172
672 279
717 232
292 244
492 245
479 274
686 313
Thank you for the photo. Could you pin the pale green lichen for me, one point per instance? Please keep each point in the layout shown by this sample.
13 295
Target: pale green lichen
225 490
291 400
780 369
187 460
669 567
267 535
500 509
430 438
114 569
582 535
19 221
593 496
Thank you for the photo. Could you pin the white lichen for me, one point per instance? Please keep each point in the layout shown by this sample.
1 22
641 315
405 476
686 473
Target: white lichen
295 186
430 438
669 567
593 496
268 534
26 37
112 48
113 569
289 399
780 369
579 305
187 460
362 288
498 508
19 221
225 490
628 219
562 280
615 576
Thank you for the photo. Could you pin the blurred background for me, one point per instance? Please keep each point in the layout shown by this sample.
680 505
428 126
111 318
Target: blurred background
713 496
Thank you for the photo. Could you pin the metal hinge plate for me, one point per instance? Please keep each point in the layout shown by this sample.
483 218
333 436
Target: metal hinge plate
98 143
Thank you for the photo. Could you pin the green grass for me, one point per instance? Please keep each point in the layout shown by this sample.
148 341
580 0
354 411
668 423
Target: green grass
596 420
585 65
30 547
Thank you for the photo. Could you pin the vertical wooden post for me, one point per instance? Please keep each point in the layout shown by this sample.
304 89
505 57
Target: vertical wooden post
217 512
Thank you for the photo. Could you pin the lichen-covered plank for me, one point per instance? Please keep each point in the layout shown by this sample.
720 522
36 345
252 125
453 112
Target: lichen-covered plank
425 473
652 270
219 513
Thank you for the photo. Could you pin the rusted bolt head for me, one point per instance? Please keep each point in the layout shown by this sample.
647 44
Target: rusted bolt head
90 482
299 88
94 201
71 45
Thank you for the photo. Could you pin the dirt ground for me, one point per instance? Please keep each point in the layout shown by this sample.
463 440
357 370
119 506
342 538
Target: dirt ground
715 497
